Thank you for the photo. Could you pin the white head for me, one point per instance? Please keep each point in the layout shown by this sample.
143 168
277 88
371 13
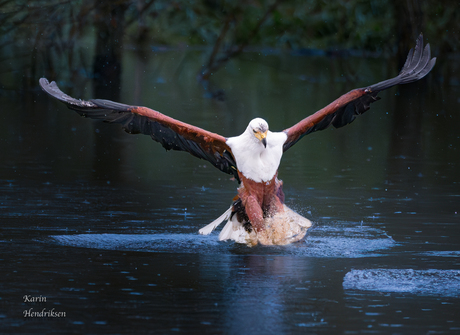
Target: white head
258 128
258 151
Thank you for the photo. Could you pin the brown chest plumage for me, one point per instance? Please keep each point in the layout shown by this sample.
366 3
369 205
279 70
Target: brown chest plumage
261 199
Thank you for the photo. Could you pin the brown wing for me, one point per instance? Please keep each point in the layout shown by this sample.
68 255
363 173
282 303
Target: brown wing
345 109
170 133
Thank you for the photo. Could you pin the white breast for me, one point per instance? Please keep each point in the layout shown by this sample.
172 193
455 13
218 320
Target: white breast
253 160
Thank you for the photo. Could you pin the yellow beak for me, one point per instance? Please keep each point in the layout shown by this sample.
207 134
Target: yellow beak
262 137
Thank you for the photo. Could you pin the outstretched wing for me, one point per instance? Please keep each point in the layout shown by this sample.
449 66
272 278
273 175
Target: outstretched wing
345 109
170 133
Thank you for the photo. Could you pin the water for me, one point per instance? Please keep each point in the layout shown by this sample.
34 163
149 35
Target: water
104 225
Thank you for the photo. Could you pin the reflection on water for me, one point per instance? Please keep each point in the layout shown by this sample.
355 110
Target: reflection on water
105 224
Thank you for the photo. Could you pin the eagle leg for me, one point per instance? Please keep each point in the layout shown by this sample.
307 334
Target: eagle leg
254 212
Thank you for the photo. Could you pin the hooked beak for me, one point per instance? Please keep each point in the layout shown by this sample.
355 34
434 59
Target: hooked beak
262 137
264 142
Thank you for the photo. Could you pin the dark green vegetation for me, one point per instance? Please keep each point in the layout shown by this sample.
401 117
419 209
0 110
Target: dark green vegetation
88 36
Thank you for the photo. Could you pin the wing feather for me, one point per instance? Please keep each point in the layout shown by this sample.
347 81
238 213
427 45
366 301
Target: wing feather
170 133
345 109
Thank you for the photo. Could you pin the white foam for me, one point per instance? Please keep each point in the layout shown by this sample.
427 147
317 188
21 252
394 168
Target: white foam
148 242
345 240
338 240
455 253
421 282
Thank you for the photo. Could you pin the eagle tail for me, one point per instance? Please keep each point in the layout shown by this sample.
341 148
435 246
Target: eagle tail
234 230
210 227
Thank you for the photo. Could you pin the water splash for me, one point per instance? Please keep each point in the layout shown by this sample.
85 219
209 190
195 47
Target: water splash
346 240
184 243
338 241
421 282
454 253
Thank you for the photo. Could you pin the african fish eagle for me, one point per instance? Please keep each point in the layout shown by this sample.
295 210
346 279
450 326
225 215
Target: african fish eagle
252 157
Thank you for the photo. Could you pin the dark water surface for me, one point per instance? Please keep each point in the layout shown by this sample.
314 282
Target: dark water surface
104 225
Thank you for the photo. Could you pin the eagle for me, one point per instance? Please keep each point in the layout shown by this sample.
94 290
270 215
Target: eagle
257 213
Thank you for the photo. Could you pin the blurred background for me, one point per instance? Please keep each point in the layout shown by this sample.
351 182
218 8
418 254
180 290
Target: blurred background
88 37
104 224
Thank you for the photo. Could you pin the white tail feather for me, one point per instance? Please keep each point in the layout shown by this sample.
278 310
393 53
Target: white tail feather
226 232
235 231
210 227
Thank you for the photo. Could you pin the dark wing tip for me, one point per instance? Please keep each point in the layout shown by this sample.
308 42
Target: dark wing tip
43 82
418 64
53 90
